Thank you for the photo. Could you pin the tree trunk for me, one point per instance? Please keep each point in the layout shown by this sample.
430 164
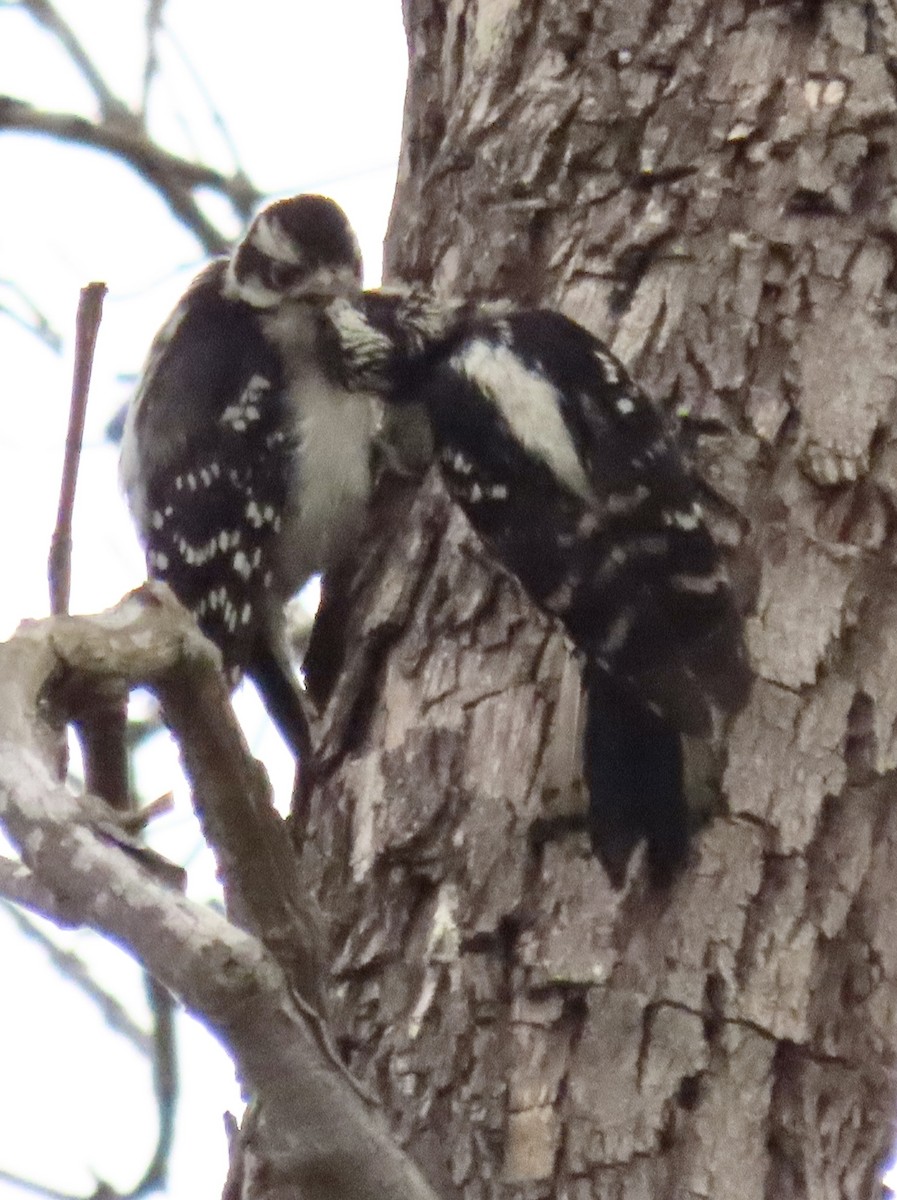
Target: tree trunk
710 186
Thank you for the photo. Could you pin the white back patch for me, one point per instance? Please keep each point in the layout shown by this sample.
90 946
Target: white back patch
530 404
250 290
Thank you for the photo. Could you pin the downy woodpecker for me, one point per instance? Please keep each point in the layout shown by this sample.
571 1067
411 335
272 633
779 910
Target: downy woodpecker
245 457
575 481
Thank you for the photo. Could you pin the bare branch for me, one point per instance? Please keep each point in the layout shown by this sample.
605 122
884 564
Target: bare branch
48 1193
231 791
101 725
165 1085
153 23
33 319
17 883
110 106
72 967
214 112
309 1130
174 178
87 324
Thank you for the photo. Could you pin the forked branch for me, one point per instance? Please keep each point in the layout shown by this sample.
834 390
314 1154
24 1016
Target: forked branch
318 1137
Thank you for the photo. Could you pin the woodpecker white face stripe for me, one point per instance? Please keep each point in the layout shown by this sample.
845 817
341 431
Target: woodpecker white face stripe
269 237
530 404
250 290
320 283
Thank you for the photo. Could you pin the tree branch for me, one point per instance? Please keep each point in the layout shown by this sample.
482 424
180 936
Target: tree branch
72 967
17 883
205 95
165 1084
152 23
87 324
310 1129
33 320
174 178
231 791
110 106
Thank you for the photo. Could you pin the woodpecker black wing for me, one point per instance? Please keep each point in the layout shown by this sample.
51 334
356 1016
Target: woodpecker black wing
205 463
574 479
246 462
633 572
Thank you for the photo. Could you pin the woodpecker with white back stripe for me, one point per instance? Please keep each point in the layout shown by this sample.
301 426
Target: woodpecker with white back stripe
247 462
246 455
575 480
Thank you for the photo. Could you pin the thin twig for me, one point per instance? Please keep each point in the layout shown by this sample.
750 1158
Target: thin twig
174 178
87 324
153 23
214 112
38 1189
34 321
102 1191
144 155
17 883
165 1085
72 967
45 14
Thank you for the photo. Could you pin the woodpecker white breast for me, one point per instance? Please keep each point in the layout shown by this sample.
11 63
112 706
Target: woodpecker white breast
245 459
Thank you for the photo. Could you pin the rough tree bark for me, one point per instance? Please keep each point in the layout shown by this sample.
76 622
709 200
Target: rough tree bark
711 185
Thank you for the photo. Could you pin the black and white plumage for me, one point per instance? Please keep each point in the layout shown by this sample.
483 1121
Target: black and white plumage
247 462
575 481
245 458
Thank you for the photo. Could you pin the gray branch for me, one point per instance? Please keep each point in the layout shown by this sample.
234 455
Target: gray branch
45 14
309 1131
173 177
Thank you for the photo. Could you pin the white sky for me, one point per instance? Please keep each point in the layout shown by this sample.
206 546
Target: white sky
311 94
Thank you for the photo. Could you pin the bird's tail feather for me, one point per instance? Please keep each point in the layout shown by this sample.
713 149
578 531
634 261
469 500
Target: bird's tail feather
633 770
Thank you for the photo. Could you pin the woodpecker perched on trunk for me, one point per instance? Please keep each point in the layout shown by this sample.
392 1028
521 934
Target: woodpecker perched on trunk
575 481
247 462
245 457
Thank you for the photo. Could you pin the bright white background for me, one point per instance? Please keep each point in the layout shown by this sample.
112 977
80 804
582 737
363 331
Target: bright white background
311 95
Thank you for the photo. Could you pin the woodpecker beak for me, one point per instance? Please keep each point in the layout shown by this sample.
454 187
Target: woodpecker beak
323 283
328 283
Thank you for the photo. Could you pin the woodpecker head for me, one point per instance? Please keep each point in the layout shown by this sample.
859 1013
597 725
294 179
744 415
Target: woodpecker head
296 248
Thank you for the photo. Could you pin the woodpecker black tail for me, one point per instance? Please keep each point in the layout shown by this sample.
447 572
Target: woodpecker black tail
633 768
279 689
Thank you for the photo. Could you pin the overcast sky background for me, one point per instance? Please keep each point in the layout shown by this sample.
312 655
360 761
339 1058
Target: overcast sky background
311 94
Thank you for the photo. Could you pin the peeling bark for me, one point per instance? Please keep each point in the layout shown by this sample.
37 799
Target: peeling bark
711 187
